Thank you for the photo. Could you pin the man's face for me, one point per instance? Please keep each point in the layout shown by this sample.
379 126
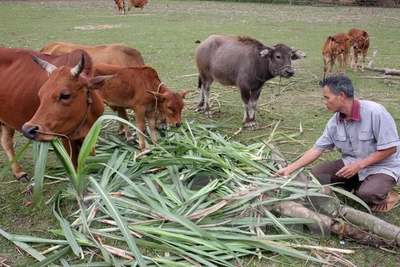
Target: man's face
332 102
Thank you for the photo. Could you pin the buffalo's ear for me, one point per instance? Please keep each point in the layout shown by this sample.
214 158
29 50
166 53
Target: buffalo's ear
267 51
297 54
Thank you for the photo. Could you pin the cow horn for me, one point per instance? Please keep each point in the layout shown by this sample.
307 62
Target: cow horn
44 64
78 68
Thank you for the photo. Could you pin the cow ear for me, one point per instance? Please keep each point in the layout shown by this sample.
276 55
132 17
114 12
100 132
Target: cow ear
184 93
157 95
267 51
297 54
98 81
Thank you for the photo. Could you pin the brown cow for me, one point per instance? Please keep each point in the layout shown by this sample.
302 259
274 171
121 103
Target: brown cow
137 4
113 54
121 5
140 89
336 47
244 62
62 98
360 43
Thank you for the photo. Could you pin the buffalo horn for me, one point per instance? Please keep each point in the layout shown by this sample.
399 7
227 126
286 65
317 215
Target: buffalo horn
78 68
44 64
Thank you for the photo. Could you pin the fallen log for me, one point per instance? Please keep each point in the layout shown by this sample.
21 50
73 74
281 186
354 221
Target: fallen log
341 220
343 228
386 71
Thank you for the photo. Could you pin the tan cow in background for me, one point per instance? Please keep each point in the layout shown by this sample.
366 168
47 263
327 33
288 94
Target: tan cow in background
113 54
336 47
360 43
137 4
121 5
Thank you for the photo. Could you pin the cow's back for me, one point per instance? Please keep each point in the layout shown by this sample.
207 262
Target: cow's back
129 86
113 54
122 55
21 79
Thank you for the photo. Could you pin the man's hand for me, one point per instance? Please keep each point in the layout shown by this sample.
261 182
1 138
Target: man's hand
350 170
287 171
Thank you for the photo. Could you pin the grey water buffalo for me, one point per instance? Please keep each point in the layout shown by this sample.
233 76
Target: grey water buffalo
243 62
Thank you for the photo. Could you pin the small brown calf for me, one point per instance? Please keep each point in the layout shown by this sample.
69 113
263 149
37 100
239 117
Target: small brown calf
121 5
360 43
336 47
140 89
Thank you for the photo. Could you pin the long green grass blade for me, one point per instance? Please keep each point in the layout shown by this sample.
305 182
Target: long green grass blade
66 228
120 222
42 149
54 257
28 249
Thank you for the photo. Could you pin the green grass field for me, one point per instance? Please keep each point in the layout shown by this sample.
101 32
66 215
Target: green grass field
165 33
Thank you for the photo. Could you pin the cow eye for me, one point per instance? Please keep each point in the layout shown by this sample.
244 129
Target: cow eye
169 107
65 96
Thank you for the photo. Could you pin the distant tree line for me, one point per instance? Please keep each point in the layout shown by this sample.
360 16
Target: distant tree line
376 3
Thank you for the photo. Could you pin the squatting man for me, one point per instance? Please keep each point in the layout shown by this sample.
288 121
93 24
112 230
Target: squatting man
366 136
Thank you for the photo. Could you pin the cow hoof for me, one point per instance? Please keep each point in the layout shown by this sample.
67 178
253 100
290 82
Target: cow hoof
250 126
199 110
130 141
24 178
207 114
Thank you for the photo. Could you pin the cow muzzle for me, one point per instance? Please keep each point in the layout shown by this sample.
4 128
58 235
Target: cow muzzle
289 72
30 132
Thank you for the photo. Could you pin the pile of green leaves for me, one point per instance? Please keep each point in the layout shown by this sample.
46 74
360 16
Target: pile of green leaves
194 199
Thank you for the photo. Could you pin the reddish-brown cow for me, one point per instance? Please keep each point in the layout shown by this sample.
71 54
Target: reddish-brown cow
336 47
59 101
121 5
359 40
113 54
140 89
137 4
